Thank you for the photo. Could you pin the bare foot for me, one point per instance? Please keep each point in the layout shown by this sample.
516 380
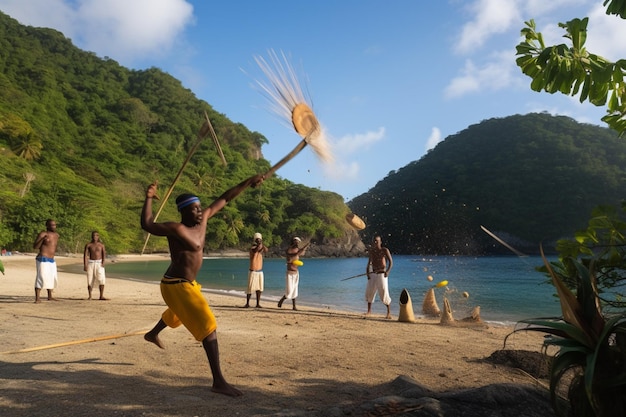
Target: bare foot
246 306
103 299
295 309
37 301
280 303
226 389
388 316
258 306
153 339
89 297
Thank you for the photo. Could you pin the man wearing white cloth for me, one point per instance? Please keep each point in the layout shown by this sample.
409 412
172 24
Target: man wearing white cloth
378 266
46 242
292 278
93 263
255 271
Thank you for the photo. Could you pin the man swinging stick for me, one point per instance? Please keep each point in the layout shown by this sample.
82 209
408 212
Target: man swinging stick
180 291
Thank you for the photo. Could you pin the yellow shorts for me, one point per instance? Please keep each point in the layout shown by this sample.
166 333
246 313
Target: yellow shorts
187 306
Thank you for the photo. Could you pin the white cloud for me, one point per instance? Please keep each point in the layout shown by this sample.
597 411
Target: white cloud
340 168
121 29
490 17
433 139
606 34
496 73
347 171
359 141
55 14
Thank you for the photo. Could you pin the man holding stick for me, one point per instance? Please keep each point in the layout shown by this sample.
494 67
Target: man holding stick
379 265
180 291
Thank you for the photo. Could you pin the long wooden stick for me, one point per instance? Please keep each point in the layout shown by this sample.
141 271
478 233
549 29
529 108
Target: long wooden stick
354 276
286 159
75 342
215 141
515 251
204 131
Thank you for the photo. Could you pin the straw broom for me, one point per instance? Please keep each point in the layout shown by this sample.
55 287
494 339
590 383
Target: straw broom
288 101
206 129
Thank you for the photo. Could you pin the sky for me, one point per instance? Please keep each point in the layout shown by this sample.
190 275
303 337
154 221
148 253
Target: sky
387 80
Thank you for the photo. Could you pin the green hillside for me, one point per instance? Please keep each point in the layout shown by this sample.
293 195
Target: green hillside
81 138
530 179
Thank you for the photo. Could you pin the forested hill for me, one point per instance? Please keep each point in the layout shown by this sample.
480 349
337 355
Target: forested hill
81 138
527 179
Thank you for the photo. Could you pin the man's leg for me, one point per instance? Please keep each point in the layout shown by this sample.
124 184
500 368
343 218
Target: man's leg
258 299
294 304
102 293
37 295
50 297
219 383
280 303
388 312
247 301
153 335
89 288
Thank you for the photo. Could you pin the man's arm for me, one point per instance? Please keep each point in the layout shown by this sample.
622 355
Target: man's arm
41 238
147 218
104 254
230 194
303 249
389 261
85 257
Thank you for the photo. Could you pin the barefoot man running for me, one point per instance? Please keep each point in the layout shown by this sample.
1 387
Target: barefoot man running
180 291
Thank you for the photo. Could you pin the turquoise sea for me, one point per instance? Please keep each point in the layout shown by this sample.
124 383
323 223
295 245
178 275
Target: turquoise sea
507 288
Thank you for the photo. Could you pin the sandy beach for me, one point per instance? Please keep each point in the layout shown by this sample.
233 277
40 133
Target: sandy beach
84 357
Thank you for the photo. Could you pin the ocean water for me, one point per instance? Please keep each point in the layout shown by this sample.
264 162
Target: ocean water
507 288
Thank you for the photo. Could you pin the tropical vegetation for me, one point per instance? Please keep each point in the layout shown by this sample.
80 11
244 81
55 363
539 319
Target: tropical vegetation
81 137
526 178
588 374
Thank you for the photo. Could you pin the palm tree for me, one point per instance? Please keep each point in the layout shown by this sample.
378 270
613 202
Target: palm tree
29 148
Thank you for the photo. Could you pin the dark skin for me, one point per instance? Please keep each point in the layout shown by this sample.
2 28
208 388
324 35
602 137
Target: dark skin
256 263
94 251
380 262
293 253
186 244
46 242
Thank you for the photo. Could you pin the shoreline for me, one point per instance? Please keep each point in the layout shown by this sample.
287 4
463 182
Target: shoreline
236 295
87 357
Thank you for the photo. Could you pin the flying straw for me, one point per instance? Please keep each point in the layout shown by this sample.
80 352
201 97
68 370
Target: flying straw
288 101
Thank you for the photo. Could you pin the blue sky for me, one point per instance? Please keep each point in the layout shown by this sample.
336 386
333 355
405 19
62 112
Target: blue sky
388 80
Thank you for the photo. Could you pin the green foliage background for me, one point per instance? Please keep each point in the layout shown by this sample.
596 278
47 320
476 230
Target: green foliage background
81 138
533 178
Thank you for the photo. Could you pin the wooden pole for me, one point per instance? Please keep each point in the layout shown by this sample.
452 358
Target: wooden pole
75 342
204 131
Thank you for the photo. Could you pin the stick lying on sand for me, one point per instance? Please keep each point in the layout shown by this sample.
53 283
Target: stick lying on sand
75 342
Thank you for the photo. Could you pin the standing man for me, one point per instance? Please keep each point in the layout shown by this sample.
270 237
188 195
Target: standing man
180 291
378 266
292 279
255 272
93 261
46 242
